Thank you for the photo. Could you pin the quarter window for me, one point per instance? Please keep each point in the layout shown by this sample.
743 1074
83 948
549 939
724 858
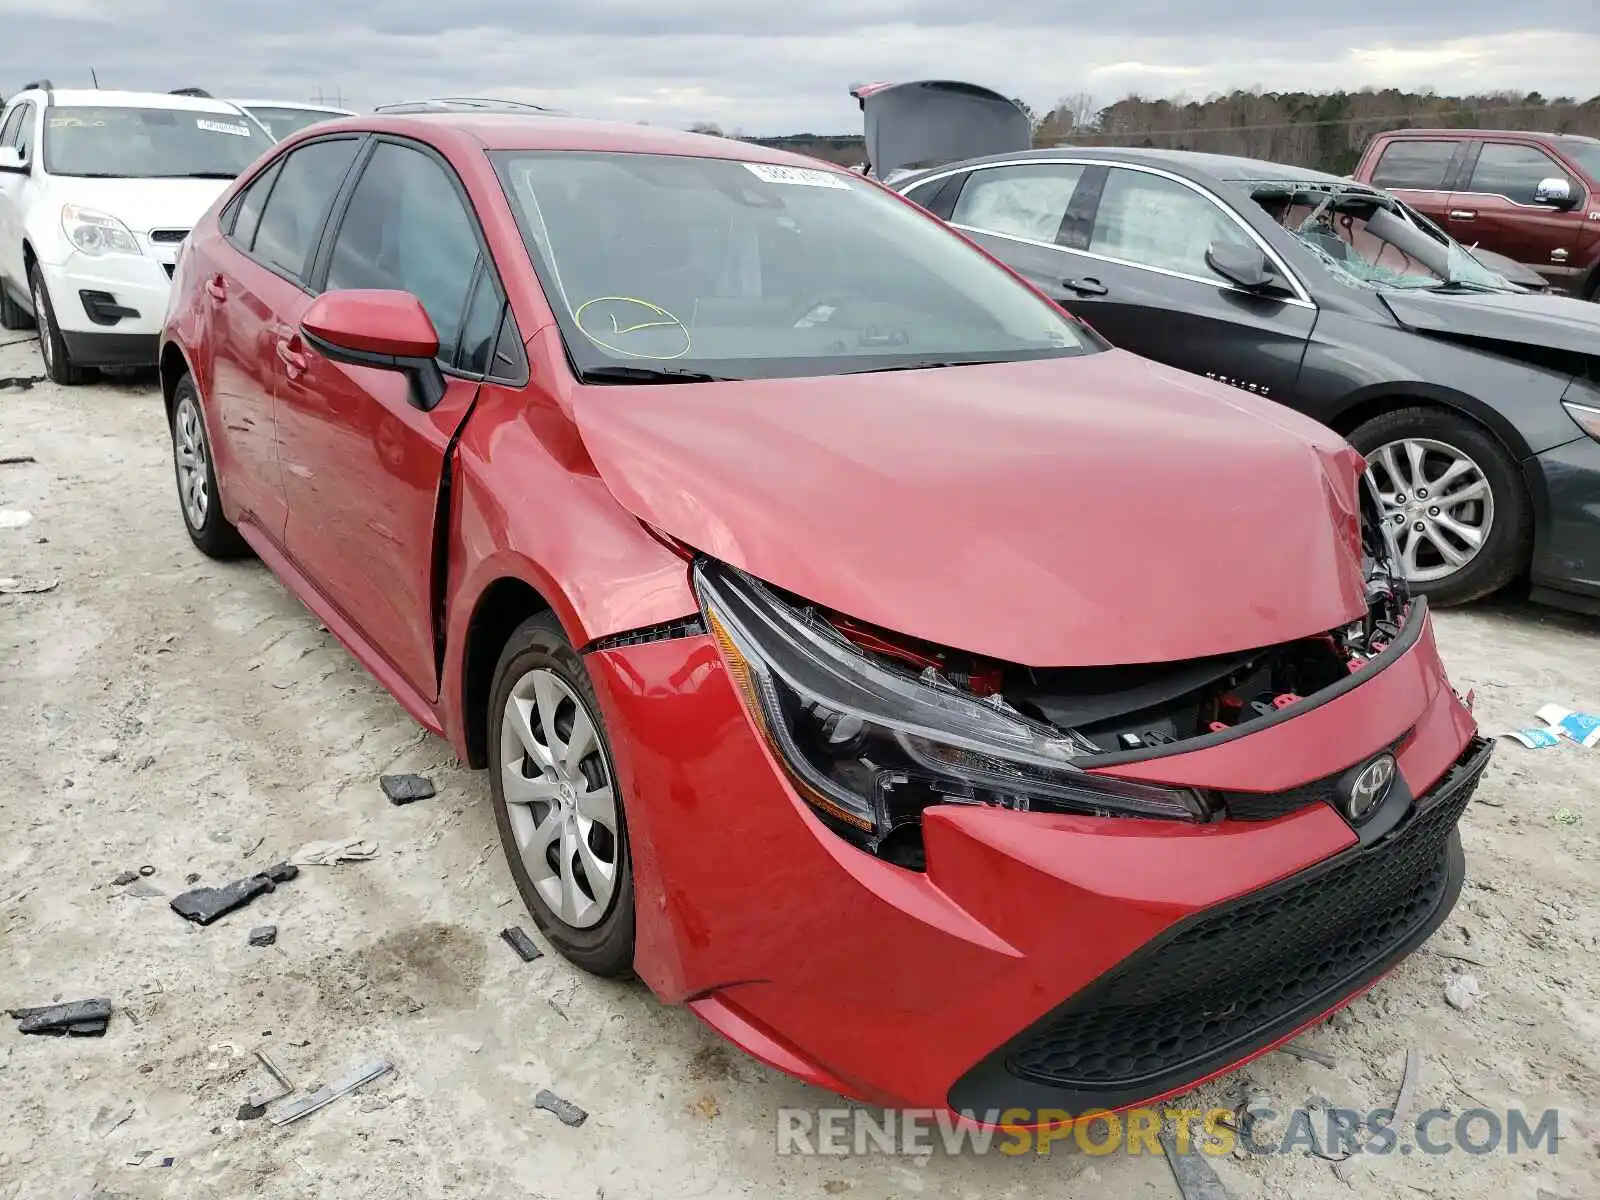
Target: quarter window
8 131
406 228
1512 171
1414 163
1022 201
247 211
22 136
1153 221
299 202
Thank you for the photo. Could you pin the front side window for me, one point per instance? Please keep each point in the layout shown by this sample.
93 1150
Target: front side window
24 141
1512 171
1022 201
1415 164
299 203
1152 221
407 229
149 143
13 123
701 266
281 122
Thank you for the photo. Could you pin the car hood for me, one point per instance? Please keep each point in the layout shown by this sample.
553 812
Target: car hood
145 204
1094 510
1551 322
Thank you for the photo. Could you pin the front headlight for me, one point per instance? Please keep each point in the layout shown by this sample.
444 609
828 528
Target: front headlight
96 233
1587 417
871 746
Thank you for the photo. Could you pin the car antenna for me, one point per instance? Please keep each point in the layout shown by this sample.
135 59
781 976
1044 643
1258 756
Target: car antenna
95 78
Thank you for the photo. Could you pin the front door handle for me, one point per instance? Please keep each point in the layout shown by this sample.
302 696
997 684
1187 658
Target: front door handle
1462 214
1087 286
294 362
216 288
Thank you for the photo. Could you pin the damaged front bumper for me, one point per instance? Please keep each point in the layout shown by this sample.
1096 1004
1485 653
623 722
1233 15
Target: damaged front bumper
994 977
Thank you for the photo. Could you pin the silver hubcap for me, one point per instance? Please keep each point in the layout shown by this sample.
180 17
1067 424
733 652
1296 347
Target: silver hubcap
560 797
189 450
41 317
1436 503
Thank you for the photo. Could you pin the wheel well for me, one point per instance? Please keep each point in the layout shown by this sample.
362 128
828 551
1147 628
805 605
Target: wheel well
504 605
1362 411
173 368
28 257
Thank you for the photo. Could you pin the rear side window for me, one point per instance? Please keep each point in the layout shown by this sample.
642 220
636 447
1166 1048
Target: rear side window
407 228
1023 201
299 202
1512 171
247 211
1419 165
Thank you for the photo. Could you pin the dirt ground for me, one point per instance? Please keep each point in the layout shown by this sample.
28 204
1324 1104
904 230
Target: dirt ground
163 710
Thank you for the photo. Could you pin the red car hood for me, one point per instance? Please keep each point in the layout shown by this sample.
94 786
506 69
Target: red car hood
1078 511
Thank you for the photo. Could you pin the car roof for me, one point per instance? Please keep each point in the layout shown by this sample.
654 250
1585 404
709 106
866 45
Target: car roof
109 98
1226 167
521 131
1543 135
298 105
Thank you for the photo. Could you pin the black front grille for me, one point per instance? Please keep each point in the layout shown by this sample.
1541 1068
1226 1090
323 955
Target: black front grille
1233 979
168 237
1269 806
169 268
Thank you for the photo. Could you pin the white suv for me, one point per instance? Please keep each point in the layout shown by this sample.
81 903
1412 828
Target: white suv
97 191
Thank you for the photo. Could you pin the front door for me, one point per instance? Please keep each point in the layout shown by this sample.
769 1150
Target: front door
362 463
1495 209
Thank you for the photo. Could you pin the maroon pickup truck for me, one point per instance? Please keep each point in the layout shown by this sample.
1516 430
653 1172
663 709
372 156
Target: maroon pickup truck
1533 197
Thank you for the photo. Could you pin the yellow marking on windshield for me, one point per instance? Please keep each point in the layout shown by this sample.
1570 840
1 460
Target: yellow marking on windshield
618 329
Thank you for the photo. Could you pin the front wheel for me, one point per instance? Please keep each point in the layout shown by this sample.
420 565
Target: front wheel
58 364
1452 499
557 802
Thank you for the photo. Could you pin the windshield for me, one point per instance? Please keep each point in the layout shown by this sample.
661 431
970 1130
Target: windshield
149 143
1373 241
1585 153
281 122
675 268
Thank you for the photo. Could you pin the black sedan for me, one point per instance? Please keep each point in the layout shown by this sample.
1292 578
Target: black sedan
1476 403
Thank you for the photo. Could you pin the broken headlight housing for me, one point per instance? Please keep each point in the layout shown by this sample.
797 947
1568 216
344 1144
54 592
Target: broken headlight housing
870 746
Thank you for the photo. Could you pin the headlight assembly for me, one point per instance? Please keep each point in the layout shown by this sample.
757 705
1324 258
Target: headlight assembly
870 746
95 233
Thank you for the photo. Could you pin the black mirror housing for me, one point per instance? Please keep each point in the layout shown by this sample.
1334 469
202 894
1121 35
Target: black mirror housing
1245 266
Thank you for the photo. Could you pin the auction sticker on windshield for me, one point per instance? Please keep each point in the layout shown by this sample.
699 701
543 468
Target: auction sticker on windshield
801 176
223 127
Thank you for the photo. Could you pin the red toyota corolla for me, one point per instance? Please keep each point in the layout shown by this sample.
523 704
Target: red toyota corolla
948 708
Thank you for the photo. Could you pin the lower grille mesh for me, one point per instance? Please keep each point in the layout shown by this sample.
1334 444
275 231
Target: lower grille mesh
1261 963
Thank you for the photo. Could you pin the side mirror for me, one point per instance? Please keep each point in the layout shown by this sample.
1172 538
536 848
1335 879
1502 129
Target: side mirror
1555 191
11 161
1246 266
389 330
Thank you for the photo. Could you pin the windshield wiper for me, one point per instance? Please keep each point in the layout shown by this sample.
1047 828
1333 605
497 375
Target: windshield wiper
927 364
620 374
197 175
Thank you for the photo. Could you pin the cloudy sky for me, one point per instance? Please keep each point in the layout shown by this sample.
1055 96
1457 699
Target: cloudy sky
771 66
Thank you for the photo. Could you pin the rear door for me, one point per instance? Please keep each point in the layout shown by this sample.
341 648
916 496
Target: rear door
362 463
1495 208
1420 171
271 230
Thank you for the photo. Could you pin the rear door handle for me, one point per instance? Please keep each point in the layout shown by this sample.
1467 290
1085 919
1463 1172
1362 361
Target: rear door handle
294 362
1087 286
1462 214
216 288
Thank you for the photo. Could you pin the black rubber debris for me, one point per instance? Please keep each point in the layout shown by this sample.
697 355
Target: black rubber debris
19 383
124 879
263 935
568 1112
147 870
251 1112
405 789
205 905
80 1018
521 943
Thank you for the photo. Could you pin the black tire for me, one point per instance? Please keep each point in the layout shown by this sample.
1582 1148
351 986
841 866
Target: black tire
1506 550
212 533
604 948
58 364
12 314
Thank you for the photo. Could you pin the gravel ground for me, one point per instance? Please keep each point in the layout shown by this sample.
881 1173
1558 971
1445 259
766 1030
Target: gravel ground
167 711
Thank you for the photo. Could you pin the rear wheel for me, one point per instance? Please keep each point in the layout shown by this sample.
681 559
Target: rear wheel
1451 498
556 799
58 362
208 529
12 314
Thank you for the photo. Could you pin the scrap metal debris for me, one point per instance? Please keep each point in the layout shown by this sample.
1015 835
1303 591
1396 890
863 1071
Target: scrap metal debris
257 1102
80 1018
404 789
565 1110
521 943
1196 1179
109 1118
1306 1054
17 460
263 935
10 586
311 1101
328 854
125 878
205 905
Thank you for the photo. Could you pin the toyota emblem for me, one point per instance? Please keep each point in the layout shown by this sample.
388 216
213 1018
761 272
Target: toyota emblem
1369 787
